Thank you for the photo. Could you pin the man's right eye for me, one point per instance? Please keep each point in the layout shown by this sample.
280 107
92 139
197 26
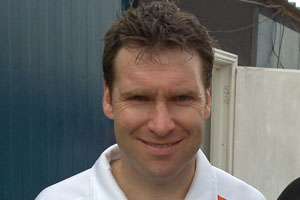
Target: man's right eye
138 98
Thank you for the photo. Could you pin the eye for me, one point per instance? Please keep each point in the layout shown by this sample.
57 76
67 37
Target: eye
138 98
184 98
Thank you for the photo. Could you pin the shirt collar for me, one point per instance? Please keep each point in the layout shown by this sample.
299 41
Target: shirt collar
203 186
204 183
105 185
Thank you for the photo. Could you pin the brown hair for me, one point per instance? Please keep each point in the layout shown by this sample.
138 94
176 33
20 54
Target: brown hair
158 24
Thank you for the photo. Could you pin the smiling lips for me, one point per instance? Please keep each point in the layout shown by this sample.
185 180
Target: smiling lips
161 149
159 145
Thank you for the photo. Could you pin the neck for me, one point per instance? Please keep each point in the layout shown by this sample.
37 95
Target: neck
132 183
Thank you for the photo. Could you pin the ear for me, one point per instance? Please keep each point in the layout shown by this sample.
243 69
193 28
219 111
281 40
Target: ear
107 102
207 109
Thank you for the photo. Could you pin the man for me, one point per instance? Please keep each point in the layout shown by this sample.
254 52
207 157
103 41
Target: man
157 67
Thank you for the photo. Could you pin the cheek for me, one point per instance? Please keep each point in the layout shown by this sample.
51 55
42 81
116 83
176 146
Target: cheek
191 116
192 121
130 117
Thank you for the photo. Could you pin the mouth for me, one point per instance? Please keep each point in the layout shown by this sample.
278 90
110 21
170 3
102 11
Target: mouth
161 145
161 149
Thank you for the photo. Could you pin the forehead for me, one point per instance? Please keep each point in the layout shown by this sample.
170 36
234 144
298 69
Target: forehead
164 71
139 60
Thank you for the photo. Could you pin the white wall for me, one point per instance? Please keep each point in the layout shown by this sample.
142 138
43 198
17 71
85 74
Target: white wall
266 147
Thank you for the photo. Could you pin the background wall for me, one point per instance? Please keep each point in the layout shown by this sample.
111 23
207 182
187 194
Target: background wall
51 121
224 21
259 32
266 133
278 46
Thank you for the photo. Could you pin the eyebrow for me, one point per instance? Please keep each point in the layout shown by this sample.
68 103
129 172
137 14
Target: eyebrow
134 92
187 92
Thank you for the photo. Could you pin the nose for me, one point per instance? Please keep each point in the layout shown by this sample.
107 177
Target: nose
161 122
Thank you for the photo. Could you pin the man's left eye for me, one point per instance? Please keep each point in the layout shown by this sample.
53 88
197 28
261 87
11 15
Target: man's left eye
184 98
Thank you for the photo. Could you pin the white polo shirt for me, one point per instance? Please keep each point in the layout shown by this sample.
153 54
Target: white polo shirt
98 183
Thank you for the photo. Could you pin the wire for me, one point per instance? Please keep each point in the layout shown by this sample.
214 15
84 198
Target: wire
273 44
248 26
261 4
284 9
298 67
280 44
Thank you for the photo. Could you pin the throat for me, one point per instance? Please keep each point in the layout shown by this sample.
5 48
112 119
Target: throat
135 186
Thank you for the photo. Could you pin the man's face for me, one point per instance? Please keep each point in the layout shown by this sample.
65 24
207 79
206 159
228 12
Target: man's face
159 105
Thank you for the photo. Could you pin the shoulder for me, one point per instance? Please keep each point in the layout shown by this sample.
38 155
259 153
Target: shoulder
94 183
233 188
76 187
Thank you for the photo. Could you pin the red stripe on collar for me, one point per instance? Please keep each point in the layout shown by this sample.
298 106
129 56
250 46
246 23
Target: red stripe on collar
221 198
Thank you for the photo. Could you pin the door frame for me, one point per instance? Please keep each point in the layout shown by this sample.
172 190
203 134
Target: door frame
222 115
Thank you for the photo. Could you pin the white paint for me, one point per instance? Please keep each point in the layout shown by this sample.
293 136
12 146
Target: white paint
255 123
266 132
222 110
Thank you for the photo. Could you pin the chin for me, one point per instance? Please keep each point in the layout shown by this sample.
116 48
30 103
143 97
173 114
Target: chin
162 172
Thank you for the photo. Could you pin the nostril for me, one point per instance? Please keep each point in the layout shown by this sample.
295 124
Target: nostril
161 126
161 121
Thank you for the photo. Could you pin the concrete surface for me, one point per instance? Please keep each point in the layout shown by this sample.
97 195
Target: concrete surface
267 128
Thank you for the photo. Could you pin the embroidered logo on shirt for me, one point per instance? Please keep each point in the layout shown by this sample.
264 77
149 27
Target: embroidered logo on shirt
221 198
